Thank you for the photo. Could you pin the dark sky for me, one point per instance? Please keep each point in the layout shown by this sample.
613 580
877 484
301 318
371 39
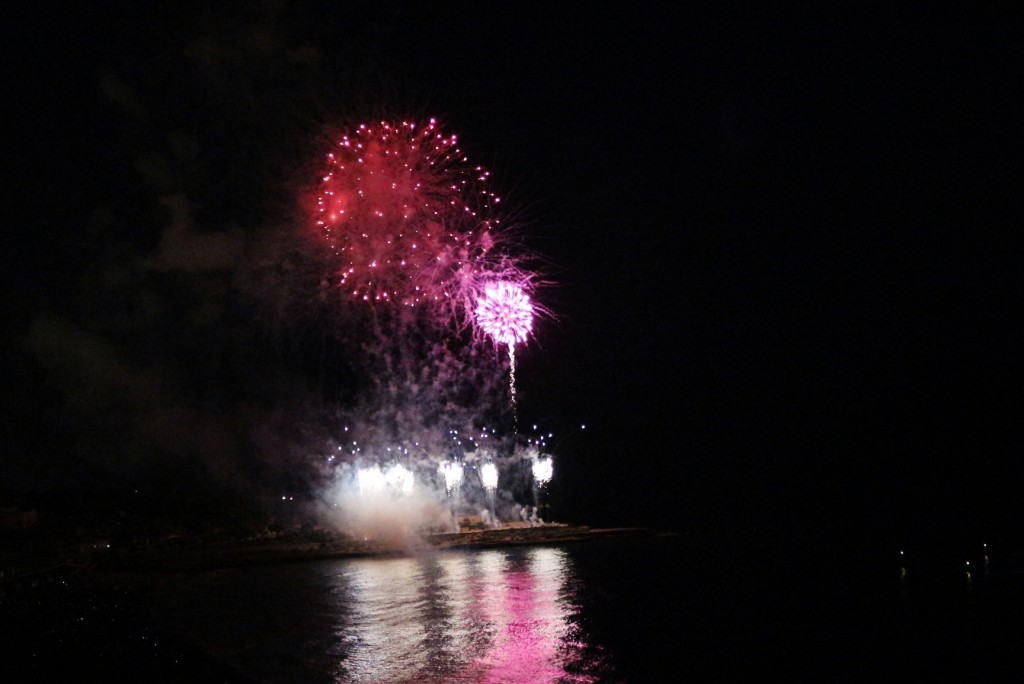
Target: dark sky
784 237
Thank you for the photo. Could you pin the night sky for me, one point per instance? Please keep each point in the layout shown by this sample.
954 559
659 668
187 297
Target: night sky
783 239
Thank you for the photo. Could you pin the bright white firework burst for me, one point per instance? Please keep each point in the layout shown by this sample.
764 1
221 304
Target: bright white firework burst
505 312
543 469
400 478
371 480
489 476
452 473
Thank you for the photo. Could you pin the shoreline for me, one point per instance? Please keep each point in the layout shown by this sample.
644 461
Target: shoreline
203 557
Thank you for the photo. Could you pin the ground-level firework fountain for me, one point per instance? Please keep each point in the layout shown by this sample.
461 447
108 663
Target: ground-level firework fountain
371 480
542 470
452 473
489 479
374 480
482 482
401 478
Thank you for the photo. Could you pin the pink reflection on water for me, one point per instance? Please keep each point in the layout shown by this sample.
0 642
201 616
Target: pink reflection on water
534 641
489 616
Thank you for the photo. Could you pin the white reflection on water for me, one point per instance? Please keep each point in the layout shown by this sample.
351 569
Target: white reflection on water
484 616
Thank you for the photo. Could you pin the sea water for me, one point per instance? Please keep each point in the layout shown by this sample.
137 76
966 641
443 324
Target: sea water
651 609
615 610
514 614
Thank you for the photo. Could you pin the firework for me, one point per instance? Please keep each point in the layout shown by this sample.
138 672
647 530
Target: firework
489 476
505 312
452 473
543 469
371 480
407 217
400 478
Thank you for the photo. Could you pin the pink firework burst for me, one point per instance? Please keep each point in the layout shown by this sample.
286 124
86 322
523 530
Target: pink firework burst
408 218
505 312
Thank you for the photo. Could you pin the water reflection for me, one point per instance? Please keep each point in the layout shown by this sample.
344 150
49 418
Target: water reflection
484 616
